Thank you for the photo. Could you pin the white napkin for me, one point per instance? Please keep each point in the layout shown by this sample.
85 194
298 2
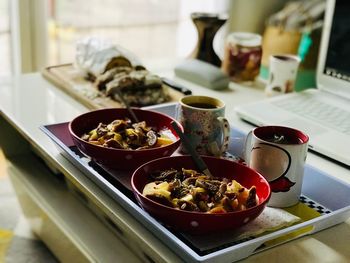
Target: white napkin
270 219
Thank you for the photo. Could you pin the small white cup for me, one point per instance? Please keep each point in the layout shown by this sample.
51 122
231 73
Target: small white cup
282 74
278 153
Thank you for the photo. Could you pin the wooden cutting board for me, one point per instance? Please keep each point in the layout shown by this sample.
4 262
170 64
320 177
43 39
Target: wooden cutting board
69 79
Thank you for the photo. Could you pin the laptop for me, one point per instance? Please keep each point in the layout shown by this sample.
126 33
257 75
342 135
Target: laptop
324 112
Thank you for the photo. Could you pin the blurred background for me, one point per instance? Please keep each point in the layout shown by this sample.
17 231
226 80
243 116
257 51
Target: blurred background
38 33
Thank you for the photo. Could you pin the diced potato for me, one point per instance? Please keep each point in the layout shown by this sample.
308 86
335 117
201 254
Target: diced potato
234 187
93 135
198 190
243 196
157 189
118 137
162 141
130 132
217 210
187 197
101 140
234 204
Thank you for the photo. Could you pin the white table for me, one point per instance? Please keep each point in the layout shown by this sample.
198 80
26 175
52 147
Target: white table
70 229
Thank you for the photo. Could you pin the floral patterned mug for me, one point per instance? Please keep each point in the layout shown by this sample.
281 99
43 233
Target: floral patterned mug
204 124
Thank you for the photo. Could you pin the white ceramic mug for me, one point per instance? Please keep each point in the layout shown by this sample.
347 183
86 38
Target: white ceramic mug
203 120
282 74
279 154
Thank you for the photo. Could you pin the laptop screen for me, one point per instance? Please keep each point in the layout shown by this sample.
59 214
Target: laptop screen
333 69
337 63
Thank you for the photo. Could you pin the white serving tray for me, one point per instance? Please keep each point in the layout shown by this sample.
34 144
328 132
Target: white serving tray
322 193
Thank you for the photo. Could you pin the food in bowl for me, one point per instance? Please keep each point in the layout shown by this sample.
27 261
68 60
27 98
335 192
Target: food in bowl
198 222
120 158
190 190
123 134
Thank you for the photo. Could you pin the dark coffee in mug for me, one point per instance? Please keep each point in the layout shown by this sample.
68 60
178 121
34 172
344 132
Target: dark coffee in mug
202 105
285 58
280 135
283 139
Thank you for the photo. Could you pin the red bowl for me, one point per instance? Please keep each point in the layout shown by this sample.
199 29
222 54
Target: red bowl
199 222
120 159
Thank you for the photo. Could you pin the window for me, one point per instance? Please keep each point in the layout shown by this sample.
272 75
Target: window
5 47
40 33
152 29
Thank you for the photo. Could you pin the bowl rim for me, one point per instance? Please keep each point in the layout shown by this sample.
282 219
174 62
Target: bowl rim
262 204
124 150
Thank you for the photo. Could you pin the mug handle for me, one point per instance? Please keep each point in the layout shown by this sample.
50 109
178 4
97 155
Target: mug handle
225 129
247 146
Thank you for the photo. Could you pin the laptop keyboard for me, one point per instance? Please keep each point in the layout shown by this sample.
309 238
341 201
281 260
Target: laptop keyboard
318 111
